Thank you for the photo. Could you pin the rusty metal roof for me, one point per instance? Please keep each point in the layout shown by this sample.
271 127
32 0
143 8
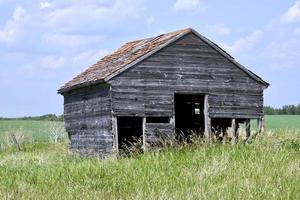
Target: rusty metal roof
131 53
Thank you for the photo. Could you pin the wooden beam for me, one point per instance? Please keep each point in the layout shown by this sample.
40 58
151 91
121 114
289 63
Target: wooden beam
207 119
115 134
144 134
263 124
259 125
225 133
172 122
15 141
248 128
234 131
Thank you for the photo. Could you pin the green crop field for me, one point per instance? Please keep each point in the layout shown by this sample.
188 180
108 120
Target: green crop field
266 168
282 121
39 130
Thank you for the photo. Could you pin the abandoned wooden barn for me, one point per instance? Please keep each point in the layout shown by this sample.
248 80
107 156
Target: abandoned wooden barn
173 83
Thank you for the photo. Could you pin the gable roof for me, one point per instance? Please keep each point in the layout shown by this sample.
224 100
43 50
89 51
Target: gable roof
134 52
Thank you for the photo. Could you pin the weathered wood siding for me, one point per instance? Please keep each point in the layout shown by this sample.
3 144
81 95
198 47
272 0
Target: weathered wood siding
87 113
187 66
154 131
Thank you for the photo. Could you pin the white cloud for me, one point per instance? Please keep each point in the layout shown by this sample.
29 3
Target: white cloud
283 54
293 13
41 65
45 4
244 43
186 5
90 16
220 29
297 30
13 26
52 62
18 14
70 40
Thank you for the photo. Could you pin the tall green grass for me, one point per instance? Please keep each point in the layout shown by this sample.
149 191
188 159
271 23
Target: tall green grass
267 168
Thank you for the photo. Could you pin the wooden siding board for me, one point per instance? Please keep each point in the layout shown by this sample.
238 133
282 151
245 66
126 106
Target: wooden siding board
88 120
156 131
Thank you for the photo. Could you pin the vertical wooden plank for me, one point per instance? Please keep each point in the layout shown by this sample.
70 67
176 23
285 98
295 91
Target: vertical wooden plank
259 125
234 131
15 141
144 133
248 128
263 124
207 120
172 122
115 133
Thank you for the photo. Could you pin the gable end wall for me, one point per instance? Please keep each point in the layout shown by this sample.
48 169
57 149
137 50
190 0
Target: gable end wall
187 66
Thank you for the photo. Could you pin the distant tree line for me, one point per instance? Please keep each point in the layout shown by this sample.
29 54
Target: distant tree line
284 110
47 117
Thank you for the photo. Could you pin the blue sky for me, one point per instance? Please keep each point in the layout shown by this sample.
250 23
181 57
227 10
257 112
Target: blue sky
44 43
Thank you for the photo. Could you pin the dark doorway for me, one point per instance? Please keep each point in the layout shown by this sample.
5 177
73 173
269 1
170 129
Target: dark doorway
189 114
130 133
219 127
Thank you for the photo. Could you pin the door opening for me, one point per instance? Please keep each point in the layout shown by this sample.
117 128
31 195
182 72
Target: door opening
189 114
130 133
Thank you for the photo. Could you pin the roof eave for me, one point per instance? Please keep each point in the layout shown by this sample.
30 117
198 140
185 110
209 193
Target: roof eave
62 91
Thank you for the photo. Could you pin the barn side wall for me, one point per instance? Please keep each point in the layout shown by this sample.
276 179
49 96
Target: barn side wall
87 113
187 66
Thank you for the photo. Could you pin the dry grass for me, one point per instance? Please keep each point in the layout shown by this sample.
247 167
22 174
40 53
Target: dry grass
267 168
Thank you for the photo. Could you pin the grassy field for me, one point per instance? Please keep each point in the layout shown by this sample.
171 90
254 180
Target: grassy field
37 130
282 121
267 168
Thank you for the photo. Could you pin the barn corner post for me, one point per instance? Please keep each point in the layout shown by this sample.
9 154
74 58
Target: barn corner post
248 129
115 134
234 129
207 119
260 124
144 134
172 122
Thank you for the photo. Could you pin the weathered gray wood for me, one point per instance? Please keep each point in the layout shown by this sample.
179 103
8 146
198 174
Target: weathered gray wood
16 143
88 120
144 134
190 65
248 128
115 133
207 120
260 125
263 124
234 129
154 132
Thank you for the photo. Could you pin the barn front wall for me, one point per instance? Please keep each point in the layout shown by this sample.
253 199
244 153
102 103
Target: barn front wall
87 114
188 66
